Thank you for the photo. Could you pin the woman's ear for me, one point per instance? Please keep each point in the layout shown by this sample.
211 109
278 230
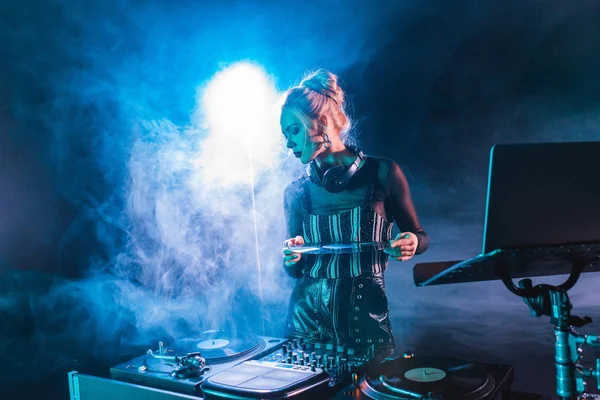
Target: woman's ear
323 122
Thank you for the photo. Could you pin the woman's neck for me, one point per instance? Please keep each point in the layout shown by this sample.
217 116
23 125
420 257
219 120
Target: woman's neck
336 155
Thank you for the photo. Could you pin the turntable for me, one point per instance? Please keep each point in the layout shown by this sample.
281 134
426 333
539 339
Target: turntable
430 378
183 366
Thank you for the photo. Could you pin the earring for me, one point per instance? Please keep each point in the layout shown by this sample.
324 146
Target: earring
326 141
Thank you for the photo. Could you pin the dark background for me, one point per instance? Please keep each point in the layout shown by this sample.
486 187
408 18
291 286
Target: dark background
432 84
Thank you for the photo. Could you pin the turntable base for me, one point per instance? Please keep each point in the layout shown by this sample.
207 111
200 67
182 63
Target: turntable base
219 349
431 378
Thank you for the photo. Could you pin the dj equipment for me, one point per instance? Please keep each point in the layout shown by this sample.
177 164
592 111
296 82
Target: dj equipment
551 229
430 378
255 367
335 179
184 365
300 370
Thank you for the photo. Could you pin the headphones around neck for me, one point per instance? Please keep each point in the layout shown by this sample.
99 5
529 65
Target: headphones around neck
335 179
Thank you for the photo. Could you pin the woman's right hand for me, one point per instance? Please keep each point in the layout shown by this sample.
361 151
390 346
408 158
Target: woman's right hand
289 257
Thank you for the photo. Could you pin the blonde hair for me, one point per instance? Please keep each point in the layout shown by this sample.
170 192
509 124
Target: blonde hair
318 94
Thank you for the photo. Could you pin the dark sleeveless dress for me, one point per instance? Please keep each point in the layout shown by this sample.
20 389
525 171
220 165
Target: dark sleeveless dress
341 298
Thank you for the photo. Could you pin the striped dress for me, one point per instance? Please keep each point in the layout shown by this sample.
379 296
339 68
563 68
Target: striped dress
360 224
341 298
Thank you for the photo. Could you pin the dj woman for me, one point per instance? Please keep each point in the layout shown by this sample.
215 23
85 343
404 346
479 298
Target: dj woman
344 197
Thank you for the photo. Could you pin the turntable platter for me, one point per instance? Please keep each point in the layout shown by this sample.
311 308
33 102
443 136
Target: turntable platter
212 344
427 377
218 346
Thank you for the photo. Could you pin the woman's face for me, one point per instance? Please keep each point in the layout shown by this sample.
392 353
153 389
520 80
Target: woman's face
300 139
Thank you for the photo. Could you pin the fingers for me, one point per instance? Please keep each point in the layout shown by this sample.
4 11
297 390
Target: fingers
401 251
289 255
296 241
291 259
403 248
403 243
397 249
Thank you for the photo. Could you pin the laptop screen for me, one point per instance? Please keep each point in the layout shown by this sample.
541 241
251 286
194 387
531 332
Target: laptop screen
542 194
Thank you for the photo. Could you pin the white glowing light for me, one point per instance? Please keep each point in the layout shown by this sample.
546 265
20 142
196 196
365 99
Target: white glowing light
239 110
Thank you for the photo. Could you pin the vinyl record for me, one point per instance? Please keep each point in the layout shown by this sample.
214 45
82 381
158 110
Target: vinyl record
338 248
217 346
427 377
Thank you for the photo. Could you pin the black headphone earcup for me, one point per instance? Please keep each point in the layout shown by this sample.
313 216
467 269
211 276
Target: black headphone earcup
333 180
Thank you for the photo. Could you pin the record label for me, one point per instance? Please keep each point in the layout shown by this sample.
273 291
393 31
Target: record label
212 344
424 374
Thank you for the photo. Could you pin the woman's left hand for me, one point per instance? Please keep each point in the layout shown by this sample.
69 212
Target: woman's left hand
403 248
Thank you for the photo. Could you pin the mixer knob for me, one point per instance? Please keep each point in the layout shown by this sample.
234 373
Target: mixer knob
284 348
304 346
301 361
289 360
313 368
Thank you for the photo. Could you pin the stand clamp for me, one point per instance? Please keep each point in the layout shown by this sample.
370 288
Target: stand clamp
553 301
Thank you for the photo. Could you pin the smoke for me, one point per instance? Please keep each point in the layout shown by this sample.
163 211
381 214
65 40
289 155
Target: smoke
155 244
153 226
116 231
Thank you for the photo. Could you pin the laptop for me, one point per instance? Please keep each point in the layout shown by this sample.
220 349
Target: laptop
543 199
542 194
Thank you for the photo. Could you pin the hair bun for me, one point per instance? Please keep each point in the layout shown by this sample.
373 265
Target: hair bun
325 83
319 94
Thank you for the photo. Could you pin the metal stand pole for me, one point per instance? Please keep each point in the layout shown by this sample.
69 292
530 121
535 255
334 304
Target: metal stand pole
554 302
